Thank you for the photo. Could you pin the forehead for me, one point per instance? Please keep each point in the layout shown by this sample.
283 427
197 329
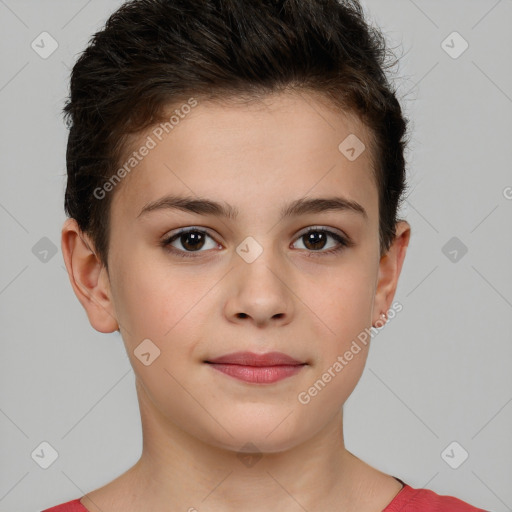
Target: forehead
289 144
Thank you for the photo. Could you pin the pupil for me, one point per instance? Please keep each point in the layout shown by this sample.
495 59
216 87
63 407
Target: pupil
194 236
317 239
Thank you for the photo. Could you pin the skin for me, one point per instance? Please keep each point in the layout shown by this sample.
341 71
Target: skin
195 420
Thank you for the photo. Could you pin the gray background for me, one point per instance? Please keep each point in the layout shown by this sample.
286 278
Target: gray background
438 373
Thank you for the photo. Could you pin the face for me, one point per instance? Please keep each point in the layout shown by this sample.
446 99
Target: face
197 285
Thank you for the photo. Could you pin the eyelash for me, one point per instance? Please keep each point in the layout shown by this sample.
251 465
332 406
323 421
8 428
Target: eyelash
342 241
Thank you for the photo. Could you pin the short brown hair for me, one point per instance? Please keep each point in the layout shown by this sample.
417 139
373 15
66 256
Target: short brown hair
156 53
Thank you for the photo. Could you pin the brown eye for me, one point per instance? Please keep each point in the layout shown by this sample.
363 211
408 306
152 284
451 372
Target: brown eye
188 241
192 241
316 239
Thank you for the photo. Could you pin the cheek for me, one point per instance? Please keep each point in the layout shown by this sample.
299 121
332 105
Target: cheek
344 302
343 342
152 298
343 306
168 306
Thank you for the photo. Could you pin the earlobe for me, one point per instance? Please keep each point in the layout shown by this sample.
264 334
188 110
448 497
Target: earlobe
390 267
88 277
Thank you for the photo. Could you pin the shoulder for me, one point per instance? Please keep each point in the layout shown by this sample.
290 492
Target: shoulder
69 506
418 500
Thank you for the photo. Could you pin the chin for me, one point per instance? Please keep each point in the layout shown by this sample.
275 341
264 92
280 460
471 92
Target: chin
260 433
257 443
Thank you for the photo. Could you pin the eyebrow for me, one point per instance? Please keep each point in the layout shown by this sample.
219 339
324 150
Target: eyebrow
302 206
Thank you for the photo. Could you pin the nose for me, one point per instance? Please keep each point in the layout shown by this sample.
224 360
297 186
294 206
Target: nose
259 293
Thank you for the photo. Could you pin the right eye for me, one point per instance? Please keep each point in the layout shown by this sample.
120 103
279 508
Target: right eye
191 239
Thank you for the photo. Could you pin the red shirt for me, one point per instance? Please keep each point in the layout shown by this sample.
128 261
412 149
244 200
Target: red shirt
407 500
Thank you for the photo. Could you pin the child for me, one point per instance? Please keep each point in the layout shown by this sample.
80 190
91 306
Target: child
235 169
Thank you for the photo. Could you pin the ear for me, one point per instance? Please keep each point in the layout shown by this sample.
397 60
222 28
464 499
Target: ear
88 277
390 267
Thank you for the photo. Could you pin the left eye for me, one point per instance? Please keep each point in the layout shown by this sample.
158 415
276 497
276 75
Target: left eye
315 240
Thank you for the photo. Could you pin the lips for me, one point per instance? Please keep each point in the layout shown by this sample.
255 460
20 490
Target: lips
252 359
257 368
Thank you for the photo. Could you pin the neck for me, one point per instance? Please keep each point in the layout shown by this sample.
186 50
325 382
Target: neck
192 474
180 472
